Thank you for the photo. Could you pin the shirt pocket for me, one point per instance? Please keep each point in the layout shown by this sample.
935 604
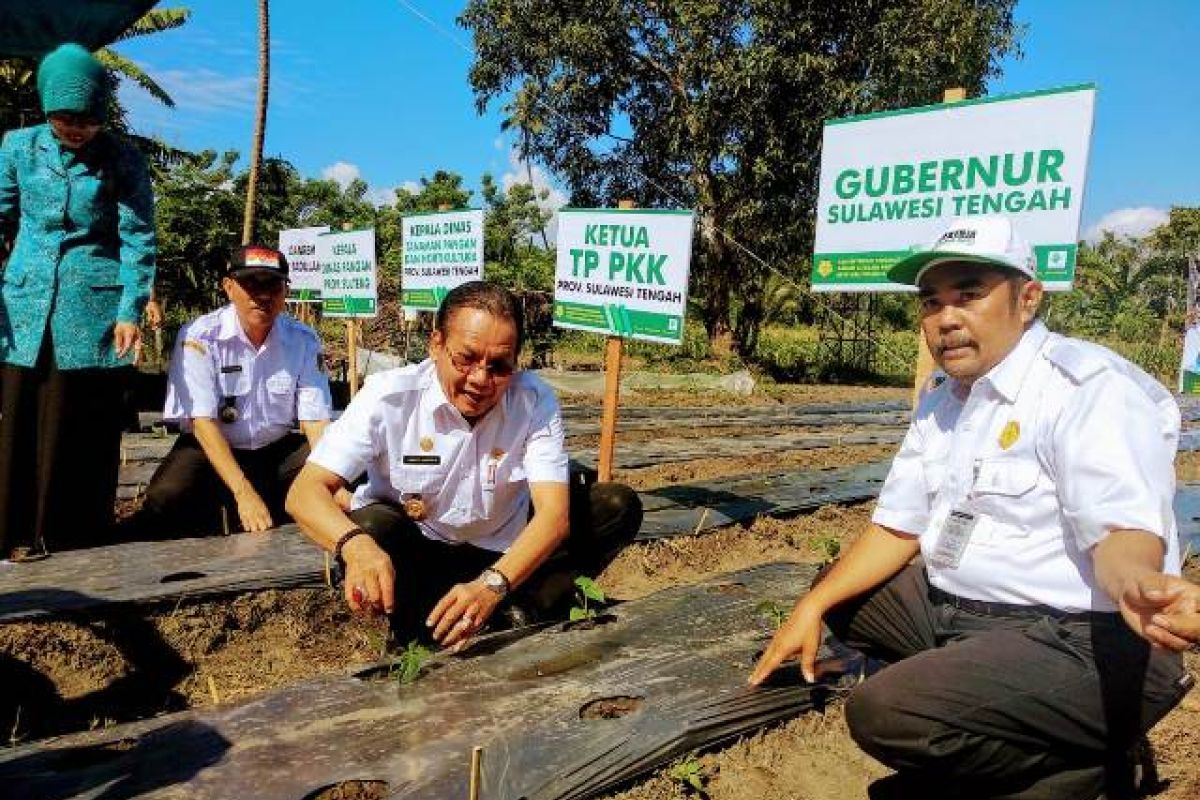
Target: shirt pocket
1001 491
934 474
501 488
281 399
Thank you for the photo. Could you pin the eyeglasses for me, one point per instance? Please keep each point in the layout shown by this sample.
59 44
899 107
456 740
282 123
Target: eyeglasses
67 119
465 365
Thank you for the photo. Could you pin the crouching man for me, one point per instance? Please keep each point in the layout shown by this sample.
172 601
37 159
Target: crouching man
242 378
1036 483
466 507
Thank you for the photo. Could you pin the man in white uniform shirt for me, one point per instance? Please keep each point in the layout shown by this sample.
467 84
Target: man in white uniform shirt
241 379
1036 484
466 495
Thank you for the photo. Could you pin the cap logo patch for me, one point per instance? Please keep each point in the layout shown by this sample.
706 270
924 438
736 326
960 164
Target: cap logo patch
960 235
260 257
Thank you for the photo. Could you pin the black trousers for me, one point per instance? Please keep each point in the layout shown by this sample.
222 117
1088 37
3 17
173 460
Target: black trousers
991 705
186 497
60 444
604 518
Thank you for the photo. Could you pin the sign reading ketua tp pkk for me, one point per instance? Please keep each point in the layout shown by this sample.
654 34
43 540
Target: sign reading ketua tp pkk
441 251
299 246
348 287
623 272
891 182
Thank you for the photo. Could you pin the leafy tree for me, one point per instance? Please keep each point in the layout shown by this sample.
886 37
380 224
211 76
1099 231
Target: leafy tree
198 214
718 105
443 189
1122 289
514 223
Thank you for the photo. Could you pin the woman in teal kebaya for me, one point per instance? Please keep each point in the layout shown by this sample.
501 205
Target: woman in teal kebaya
76 203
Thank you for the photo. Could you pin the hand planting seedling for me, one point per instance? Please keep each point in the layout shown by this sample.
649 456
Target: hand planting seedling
588 596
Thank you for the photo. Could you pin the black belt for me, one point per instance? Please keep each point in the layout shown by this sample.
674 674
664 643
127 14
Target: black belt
1018 611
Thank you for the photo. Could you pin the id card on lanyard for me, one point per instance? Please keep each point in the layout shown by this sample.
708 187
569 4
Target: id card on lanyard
956 529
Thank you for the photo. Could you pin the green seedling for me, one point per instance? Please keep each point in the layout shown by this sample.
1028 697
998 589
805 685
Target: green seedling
587 596
690 774
407 666
774 612
829 546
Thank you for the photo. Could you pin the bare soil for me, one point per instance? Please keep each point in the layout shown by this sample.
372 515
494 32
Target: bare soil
63 676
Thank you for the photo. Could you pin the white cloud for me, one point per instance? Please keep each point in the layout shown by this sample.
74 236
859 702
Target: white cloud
412 187
1133 223
381 196
341 173
499 143
205 90
520 172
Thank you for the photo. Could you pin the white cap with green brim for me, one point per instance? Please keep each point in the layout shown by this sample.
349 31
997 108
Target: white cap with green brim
990 240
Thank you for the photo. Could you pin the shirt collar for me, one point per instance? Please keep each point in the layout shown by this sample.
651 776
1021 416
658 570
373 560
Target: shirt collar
1007 377
433 397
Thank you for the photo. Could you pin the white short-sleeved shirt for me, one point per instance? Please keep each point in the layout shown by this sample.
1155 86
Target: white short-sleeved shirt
274 386
1060 443
412 441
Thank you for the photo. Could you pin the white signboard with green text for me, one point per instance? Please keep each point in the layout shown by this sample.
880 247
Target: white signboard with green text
623 272
441 251
299 246
891 181
348 287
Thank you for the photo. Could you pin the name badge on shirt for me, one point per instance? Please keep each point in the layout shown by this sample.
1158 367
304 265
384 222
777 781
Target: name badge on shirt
953 538
422 460
231 369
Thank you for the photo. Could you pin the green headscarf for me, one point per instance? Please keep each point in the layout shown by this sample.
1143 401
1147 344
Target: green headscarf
71 79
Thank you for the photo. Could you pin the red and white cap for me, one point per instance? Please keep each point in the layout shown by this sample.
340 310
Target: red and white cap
257 258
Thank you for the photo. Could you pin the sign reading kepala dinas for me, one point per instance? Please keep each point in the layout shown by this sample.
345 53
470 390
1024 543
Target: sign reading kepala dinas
891 181
623 272
441 250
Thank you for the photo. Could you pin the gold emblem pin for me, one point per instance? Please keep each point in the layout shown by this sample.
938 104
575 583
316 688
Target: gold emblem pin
1010 434
426 443
414 507
497 454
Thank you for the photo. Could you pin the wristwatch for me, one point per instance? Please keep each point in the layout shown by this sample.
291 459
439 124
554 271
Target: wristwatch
494 580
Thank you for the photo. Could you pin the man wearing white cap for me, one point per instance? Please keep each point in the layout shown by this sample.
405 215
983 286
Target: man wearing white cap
1036 484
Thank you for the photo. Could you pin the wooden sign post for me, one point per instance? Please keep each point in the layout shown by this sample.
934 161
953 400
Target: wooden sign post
613 350
351 343
925 362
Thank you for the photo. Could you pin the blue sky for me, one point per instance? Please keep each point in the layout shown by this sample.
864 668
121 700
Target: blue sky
374 90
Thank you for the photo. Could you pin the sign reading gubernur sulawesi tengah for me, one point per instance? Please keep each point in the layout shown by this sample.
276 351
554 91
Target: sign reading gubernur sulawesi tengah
891 181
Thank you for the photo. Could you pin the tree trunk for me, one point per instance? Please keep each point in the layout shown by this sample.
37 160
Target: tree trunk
749 321
260 119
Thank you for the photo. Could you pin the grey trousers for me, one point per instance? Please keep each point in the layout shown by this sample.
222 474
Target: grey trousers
1002 702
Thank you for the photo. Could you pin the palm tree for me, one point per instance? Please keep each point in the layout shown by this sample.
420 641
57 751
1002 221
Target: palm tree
260 118
150 23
